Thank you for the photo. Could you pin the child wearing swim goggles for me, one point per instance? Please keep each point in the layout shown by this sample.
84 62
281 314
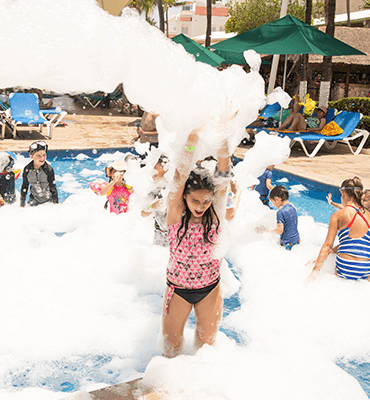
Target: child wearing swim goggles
39 176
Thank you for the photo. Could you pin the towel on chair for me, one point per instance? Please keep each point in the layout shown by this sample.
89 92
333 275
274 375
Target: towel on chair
331 129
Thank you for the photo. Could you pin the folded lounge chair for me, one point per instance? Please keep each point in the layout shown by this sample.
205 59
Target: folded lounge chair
24 110
4 120
94 99
347 120
54 115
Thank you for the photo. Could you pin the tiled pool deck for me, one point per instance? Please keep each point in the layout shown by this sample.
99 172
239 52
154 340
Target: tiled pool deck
101 131
86 132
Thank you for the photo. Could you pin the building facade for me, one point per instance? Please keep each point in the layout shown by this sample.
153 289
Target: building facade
192 20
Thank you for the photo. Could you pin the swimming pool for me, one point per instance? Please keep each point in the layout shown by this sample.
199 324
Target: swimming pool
74 171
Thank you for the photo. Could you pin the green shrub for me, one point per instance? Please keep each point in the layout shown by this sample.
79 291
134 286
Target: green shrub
355 104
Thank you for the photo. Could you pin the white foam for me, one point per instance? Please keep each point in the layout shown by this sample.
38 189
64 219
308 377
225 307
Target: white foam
96 288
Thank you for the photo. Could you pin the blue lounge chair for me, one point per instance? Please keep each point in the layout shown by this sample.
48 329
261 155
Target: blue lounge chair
24 110
347 120
269 110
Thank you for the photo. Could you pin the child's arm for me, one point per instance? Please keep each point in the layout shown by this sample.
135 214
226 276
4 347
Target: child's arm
223 159
116 179
336 205
24 187
52 184
279 229
326 248
157 204
269 184
182 172
231 211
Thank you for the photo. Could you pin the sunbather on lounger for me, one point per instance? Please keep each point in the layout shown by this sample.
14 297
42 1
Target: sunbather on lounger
147 130
297 121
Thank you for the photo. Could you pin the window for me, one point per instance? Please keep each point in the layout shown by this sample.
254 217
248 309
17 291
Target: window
222 28
213 28
186 7
185 30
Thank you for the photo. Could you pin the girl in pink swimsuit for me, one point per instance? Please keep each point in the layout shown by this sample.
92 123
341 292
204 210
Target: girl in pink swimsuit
193 273
117 191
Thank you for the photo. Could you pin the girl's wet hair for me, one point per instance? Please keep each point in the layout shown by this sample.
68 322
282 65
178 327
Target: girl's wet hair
353 188
199 180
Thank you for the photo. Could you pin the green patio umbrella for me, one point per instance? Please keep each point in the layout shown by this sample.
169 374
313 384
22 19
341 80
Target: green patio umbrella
198 51
287 35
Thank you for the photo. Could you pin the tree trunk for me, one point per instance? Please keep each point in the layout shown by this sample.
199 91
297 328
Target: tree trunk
326 74
348 13
209 24
167 27
303 83
346 88
160 15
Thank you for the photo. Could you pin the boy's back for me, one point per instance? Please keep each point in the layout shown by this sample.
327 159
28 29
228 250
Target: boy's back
287 215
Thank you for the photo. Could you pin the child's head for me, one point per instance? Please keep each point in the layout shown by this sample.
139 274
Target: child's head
6 162
198 192
278 196
271 167
37 151
115 166
365 200
353 188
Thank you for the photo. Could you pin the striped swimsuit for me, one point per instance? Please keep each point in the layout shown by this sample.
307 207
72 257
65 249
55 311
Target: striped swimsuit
358 247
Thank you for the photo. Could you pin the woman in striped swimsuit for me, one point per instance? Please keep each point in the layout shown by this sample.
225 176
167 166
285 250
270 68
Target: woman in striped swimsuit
353 225
193 272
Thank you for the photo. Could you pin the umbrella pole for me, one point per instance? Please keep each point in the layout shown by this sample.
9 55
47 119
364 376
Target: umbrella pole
284 79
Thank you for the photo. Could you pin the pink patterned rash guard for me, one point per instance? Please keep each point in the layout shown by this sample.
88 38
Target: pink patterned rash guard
191 264
118 197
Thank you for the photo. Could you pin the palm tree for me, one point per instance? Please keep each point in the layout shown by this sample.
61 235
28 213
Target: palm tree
327 62
307 20
144 6
160 15
209 24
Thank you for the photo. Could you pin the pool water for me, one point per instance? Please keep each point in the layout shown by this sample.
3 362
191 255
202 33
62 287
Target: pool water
78 169
74 171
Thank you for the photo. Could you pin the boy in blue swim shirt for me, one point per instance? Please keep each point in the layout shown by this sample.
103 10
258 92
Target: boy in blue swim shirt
265 185
287 219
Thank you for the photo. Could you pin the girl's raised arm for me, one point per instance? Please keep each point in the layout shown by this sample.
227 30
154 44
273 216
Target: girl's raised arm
182 172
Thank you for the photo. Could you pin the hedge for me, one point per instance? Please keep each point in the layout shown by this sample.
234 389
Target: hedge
356 104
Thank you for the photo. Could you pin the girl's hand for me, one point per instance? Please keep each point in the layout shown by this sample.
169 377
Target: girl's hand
260 229
234 187
117 177
229 113
310 262
313 276
329 198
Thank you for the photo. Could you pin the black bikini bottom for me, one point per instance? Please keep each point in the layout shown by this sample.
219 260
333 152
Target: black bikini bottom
194 296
